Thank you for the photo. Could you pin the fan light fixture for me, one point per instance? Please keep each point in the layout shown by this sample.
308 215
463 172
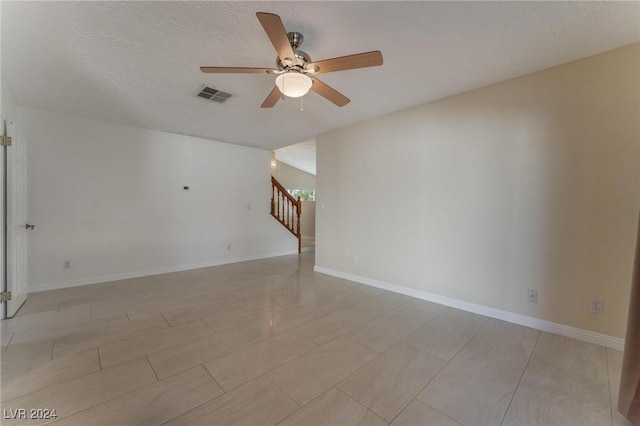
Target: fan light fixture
293 84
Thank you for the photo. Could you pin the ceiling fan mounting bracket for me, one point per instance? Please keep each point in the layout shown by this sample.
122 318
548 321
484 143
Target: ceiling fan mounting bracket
295 39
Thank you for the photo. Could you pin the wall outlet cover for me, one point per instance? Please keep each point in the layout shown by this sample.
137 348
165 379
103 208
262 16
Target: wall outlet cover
596 306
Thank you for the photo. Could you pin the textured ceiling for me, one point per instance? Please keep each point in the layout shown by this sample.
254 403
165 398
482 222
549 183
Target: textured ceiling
137 63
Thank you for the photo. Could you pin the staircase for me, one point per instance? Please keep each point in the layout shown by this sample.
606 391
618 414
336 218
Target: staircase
286 209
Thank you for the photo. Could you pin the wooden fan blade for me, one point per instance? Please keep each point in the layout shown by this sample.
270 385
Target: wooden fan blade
242 70
274 28
272 98
329 93
359 60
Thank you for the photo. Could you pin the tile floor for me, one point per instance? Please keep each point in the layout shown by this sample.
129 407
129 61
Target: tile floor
271 342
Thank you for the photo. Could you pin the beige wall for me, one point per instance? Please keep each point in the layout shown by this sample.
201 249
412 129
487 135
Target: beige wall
530 183
293 178
308 219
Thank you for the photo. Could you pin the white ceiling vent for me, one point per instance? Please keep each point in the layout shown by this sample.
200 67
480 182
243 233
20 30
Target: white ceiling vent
213 94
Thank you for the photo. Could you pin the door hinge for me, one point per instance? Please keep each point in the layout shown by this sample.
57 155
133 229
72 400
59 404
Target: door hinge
5 296
5 140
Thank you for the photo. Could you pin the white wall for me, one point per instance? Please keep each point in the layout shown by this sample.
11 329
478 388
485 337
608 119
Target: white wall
109 198
530 183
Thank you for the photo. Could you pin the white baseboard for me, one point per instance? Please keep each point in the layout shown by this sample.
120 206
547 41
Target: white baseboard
137 274
527 321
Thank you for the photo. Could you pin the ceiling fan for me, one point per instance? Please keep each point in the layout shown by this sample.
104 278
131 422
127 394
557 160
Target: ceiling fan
295 70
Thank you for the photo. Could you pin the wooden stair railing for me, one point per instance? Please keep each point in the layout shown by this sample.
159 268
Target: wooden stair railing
286 209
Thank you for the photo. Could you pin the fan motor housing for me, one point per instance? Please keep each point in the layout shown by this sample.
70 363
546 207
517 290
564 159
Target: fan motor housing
302 58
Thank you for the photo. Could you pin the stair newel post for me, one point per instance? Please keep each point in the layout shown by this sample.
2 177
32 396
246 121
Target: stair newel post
273 206
298 211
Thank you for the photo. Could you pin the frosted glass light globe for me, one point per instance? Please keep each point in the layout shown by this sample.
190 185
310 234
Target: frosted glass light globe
293 84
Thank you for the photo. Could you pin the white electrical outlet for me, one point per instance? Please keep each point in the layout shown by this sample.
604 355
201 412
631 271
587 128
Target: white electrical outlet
228 246
532 295
66 264
355 260
596 306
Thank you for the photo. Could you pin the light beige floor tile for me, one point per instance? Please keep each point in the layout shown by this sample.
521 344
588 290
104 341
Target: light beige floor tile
295 296
386 331
92 339
389 382
52 373
510 420
421 309
22 357
180 358
132 286
87 295
191 313
256 292
283 320
257 403
509 343
418 413
77 395
200 286
333 408
121 302
576 357
446 334
153 404
567 382
472 390
155 341
44 319
325 329
178 279
336 301
165 304
5 339
614 360
35 305
379 305
56 330
258 358
222 320
556 392
316 372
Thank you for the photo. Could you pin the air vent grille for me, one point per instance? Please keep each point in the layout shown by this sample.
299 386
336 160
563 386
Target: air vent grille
212 94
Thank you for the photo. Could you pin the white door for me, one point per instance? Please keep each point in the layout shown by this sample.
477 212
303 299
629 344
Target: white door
17 228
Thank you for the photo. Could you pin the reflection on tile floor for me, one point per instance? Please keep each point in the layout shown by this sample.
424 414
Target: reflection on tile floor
271 342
